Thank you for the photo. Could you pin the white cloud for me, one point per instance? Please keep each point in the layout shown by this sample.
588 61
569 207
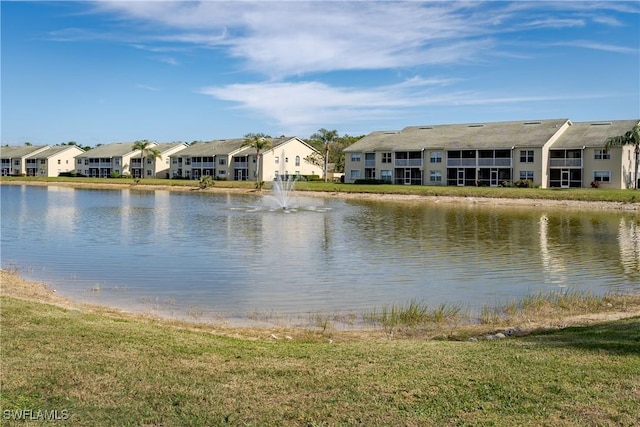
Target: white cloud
300 108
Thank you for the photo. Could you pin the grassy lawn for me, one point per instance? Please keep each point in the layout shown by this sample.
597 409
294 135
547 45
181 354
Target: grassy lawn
103 369
581 194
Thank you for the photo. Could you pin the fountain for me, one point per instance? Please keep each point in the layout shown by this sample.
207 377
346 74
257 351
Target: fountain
282 189
283 185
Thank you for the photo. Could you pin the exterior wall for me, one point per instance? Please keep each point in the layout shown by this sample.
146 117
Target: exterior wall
351 165
160 168
435 166
539 173
63 161
286 154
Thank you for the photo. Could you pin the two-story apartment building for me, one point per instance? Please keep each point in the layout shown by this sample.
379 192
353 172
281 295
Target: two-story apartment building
53 161
121 159
548 153
13 159
231 160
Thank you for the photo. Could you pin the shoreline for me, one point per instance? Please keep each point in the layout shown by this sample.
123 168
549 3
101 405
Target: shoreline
381 197
14 285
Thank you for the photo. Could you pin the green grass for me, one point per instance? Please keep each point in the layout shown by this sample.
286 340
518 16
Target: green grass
105 370
579 194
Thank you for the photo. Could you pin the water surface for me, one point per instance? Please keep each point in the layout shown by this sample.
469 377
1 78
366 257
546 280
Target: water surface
236 256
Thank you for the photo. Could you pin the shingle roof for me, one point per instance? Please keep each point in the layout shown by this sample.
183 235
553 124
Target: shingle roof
109 150
592 134
14 152
533 133
223 147
52 151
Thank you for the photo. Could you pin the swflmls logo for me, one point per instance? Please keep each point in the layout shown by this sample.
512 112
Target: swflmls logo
35 415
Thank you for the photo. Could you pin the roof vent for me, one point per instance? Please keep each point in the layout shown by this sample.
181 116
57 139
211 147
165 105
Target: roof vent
601 124
390 133
533 123
478 125
426 127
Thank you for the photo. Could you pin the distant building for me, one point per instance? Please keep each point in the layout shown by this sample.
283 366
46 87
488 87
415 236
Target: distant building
53 161
229 159
121 159
14 158
547 153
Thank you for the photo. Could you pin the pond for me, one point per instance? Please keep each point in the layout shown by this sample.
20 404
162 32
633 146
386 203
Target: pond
224 256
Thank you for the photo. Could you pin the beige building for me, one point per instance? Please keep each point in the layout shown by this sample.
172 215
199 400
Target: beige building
119 159
545 153
228 159
53 161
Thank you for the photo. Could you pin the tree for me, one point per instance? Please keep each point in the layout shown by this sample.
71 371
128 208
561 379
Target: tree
326 137
146 150
259 142
632 137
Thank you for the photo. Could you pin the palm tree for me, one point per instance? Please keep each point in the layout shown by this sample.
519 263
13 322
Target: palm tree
326 137
632 137
146 150
259 142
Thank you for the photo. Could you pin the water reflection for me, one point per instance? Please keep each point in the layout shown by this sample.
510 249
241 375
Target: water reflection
233 255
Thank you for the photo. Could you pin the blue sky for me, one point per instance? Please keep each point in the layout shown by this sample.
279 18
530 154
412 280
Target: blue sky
118 71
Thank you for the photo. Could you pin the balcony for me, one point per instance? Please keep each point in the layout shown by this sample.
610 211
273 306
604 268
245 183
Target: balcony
562 163
408 163
456 163
370 163
240 165
202 164
498 162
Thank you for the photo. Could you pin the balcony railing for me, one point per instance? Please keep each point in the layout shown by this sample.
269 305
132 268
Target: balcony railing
241 165
369 163
413 163
202 164
452 163
500 161
565 163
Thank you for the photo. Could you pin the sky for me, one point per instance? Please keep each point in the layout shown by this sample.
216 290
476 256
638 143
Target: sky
121 71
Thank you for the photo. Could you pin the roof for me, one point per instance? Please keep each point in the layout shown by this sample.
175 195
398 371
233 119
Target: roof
18 151
532 133
168 146
592 134
52 151
227 147
109 150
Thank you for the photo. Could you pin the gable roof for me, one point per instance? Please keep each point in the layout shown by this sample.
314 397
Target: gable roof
109 150
592 134
533 133
226 147
52 151
18 151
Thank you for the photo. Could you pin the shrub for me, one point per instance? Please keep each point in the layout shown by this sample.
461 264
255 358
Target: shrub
369 181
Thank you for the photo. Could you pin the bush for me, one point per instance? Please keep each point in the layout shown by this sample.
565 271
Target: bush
71 174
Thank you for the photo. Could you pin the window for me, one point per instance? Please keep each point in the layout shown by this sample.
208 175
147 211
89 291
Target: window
602 176
526 156
175 161
277 159
222 161
525 175
149 160
286 160
435 176
386 158
354 173
355 157
148 172
601 154
436 157
187 161
297 160
118 161
59 162
385 175
16 162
